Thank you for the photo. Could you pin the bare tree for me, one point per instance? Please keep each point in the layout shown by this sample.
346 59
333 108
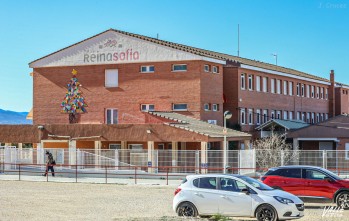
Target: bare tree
273 151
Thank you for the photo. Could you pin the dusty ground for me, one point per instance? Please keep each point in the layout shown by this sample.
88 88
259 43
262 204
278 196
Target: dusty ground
23 200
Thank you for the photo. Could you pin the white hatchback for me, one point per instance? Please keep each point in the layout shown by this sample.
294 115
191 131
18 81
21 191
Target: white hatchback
234 195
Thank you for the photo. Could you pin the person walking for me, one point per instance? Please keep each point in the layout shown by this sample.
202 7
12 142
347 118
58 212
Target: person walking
50 162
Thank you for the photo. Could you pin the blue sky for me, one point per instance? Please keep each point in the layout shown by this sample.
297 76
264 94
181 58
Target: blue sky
310 36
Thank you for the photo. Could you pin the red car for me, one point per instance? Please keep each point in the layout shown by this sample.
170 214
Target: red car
309 182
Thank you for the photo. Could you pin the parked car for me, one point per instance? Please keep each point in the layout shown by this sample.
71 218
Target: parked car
309 182
234 195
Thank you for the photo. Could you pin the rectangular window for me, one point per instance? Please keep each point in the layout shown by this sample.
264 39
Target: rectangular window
206 107
242 116
250 116
212 122
317 118
265 116
285 88
147 107
272 85
278 86
303 117
215 69
302 90
111 116
272 114
308 117
322 93
215 107
285 115
179 67
111 78
322 117
297 89
258 83
298 115
326 93
278 114
114 146
312 118
347 151
243 81
207 68
258 117
290 115
180 107
317 92
308 90
265 84
250 82
312 91
326 116
147 69
290 88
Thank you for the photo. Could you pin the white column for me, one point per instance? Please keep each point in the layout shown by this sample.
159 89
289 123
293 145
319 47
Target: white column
151 156
204 160
72 152
98 146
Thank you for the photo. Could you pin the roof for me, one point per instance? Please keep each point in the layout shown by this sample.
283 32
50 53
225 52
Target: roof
288 124
206 53
198 126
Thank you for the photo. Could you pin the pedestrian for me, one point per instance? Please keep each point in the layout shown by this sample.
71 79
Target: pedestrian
50 162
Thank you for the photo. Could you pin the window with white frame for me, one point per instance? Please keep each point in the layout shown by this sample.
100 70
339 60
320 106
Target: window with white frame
258 83
215 107
317 92
322 116
272 85
207 68
243 81
111 116
111 78
272 114
308 117
215 69
285 115
212 122
298 115
297 89
285 88
250 116
322 93
302 90
290 115
179 67
326 116
290 88
308 90
347 151
312 118
147 107
312 91
265 116
206 107
250 82
326 93
278 86
179 107
303 117
265 84
114 146
147 69
278 114
258 117
242 116
317 117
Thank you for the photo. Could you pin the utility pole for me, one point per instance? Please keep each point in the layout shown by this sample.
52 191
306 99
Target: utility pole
238 40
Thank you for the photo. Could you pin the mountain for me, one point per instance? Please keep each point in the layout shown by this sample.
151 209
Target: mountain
12 117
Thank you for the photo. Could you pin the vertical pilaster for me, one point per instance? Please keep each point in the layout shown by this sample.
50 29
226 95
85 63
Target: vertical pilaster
204 158
151 157
98 146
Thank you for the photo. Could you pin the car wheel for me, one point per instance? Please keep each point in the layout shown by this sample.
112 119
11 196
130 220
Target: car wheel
266 213
343 200
187 209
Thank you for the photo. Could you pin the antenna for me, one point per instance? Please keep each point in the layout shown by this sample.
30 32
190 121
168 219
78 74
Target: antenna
238 40
157 36
276 57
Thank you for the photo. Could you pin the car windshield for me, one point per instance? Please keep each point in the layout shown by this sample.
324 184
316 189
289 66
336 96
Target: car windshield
332 174
255 183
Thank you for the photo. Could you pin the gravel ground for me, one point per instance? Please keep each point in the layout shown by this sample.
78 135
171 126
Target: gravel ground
22 200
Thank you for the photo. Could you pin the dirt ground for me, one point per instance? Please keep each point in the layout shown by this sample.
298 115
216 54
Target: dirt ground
22 200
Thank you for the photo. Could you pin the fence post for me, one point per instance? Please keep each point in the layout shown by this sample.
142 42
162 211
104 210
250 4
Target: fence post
135 174
76 173
167 176
282 158
324 156
106 174
197 162
19 172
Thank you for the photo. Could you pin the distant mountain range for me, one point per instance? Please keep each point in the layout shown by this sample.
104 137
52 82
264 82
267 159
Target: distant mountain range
12 117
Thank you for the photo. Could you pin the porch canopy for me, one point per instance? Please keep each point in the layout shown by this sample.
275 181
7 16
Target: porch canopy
280 126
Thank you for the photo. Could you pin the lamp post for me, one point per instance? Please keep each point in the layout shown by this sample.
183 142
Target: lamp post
227 115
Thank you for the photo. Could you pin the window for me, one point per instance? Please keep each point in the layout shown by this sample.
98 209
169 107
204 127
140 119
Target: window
298 115
285 88
285 115
212 122
290 173
215 69
147 107
258 122
314 175
111 78
258 83
207 68
290 115
205 183
326 93
278 114
347 151
322 117
308 90
297 89
322 93
179 67
278 86
312 118
250 82
243 81
250 116
242 116
265 84
272 85
265 116
312 91
303 117
111 116
180 107
272 114
206 107
115 146
232 185
308 117
317 118
326 116
147 69
215 107
290 88
317 92
302 90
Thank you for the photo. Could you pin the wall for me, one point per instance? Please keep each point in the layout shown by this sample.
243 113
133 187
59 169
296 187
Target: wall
342 101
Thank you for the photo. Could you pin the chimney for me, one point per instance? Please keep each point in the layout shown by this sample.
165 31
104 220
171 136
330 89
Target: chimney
331 95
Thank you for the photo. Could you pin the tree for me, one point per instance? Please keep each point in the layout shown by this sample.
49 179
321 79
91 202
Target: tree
74 102
273 151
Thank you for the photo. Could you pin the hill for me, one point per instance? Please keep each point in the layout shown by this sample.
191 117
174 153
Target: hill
12 117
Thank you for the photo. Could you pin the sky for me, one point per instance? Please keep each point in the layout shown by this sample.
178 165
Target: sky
309 36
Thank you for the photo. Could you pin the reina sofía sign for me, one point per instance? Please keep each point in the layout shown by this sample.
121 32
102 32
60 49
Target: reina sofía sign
111 54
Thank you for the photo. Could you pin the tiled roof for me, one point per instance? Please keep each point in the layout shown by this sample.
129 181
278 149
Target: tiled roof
197 126
288 124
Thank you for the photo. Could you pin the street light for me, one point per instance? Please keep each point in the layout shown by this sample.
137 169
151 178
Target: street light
276 58
227 115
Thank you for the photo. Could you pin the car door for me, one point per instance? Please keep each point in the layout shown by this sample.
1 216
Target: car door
292 181
316 185
231 200
205 195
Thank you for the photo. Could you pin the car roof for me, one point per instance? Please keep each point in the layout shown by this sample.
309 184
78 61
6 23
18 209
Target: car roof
213 175
295 167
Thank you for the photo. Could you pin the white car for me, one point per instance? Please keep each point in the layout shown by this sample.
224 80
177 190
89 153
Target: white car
234 195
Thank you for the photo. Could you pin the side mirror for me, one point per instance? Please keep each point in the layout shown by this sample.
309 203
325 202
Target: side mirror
328 179
246 191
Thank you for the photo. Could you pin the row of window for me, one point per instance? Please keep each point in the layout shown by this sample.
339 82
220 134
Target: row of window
213 107
175 67
260 116
209 68
283 87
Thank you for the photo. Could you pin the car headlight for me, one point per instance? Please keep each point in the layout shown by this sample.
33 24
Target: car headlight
283 200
